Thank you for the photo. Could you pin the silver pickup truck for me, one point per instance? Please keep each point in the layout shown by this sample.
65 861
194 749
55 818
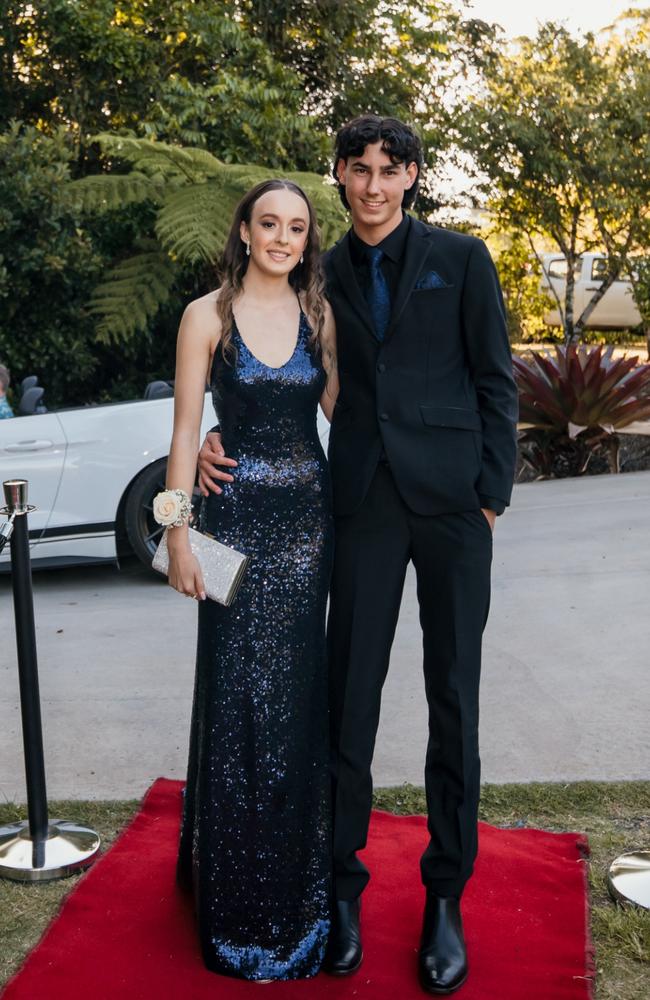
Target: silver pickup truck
616 309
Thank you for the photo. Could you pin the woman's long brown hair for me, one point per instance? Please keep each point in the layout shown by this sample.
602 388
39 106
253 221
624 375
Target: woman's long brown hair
306 278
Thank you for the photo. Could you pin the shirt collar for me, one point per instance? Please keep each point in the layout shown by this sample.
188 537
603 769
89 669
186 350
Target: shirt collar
392 245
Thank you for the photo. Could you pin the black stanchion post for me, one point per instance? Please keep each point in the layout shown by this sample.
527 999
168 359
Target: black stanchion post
30 705
37 850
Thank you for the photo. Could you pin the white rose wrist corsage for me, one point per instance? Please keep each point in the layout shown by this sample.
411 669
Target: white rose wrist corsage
172 508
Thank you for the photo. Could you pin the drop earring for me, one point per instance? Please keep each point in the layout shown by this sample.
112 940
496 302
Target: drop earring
248 249
302 258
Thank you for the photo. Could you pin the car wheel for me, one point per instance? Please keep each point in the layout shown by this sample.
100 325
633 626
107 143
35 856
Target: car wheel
143 532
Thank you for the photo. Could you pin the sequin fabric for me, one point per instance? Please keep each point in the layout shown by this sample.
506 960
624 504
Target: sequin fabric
255 834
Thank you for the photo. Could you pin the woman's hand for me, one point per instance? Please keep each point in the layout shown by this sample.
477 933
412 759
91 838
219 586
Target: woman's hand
185 572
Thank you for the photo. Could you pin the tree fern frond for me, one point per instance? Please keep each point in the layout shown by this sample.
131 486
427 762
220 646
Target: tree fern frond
132 294
104 192
332 217
193 223
160 159
236 179
197 195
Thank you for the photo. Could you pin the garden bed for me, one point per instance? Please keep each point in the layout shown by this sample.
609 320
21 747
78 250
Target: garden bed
634 456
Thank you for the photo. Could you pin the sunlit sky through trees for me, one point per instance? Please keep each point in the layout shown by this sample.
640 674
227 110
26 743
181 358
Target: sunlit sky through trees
518 18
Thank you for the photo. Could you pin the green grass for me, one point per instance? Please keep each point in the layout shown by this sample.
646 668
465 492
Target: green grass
616 818
614 815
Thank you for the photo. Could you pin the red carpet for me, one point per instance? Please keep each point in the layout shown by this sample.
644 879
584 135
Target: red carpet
126 932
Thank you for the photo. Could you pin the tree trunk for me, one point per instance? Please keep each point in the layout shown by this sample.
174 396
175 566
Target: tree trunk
569 325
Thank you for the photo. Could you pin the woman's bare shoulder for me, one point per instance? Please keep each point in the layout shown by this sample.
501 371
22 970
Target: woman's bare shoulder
201 318
203 308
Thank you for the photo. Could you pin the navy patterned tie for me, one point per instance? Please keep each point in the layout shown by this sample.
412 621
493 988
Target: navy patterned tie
377 294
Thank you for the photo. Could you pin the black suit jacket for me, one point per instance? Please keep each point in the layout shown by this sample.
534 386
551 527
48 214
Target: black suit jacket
438 392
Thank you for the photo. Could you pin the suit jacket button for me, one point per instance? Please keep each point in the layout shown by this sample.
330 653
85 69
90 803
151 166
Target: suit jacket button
381 367
383 416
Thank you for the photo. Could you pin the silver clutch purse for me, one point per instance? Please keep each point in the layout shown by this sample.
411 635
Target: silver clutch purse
222 567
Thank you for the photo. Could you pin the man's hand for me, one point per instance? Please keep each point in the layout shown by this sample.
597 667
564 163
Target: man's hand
491 516
211 456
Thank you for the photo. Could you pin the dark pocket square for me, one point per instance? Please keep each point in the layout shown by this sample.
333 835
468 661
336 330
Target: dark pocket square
431 280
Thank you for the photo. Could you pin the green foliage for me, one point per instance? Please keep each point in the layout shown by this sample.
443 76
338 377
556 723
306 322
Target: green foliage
192 224
195 196
52 257
194 102
640 278
387 57
181 71
250 81
559 129
574 401
133 293
526 302
105 192
49 265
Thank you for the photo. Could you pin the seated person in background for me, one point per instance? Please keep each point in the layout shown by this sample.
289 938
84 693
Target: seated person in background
5 409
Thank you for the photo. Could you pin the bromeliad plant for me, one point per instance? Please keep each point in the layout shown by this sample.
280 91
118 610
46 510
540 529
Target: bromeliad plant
572 402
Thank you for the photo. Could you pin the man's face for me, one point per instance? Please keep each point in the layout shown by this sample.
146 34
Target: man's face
374 187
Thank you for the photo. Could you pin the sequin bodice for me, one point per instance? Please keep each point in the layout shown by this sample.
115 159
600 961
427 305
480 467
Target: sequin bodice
268 415
255 837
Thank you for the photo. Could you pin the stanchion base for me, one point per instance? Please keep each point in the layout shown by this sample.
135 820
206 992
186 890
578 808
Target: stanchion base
68 848
629 879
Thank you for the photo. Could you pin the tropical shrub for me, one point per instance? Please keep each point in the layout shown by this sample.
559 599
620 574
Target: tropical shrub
52 256
572 403
49 266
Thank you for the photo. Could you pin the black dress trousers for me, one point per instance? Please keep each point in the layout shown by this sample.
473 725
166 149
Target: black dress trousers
452 555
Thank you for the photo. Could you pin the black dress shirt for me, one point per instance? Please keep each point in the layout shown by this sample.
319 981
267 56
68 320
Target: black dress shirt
392 247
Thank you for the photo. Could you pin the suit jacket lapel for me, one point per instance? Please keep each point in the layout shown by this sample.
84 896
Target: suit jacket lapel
415 257
342 264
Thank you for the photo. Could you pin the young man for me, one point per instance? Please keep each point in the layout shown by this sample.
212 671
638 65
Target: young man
422 455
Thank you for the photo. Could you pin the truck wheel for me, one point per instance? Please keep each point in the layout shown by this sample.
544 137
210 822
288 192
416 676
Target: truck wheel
143 532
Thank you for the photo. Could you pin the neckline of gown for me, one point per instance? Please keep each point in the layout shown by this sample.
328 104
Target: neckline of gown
273 368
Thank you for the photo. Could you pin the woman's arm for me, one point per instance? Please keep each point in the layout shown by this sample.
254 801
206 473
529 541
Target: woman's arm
328 346
193 350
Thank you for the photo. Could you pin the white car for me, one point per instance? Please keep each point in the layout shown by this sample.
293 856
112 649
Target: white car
616 309
93 472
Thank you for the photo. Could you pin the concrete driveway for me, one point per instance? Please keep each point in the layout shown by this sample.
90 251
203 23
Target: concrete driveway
566 678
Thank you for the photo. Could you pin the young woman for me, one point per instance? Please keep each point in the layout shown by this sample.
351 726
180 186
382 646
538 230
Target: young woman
255 835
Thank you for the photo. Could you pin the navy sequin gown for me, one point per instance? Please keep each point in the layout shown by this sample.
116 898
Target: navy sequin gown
255 833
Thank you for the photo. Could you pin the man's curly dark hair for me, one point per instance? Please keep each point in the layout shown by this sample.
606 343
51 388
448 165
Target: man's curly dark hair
398 140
